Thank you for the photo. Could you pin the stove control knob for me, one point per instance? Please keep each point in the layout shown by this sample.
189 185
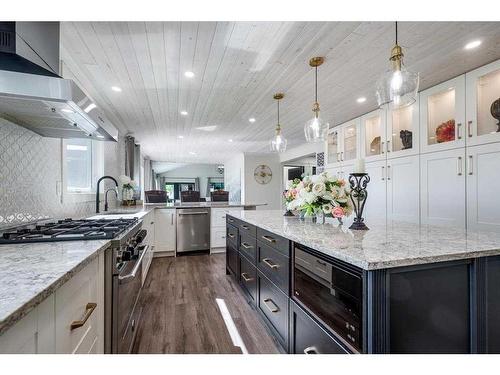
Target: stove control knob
126 255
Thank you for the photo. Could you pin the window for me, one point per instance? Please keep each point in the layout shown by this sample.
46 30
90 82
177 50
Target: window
83 164
216 186
174 189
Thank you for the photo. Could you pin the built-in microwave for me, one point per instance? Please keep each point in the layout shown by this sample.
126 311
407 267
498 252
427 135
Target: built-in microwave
332 291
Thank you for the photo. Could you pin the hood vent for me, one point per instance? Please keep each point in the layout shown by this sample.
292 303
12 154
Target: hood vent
34 96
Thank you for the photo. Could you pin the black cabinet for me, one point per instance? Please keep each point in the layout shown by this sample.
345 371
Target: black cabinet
248 278
274 265
247 228
308 337
248 245
273 304
232 234
276 242
232 260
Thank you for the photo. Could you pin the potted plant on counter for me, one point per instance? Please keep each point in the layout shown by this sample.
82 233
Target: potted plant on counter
321 196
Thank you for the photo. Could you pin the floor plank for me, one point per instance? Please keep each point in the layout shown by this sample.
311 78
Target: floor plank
181 315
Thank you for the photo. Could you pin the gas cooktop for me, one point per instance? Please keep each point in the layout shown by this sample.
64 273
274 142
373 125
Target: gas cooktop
67 230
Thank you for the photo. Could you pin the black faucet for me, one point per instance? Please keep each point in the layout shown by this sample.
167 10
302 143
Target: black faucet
97 191
106 197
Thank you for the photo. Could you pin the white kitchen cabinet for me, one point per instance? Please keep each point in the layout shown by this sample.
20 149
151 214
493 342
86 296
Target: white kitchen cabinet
402 133
483 88
373 135
165 230
483 180
442 187
218 227
376 203
442 116
342 145
402 178
149 225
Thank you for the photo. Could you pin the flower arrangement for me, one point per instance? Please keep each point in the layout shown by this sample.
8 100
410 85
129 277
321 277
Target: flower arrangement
128 187
321 193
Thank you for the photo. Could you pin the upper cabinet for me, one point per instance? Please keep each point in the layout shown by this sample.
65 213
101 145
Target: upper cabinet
403 131
343 144
483 89
442 116
373 135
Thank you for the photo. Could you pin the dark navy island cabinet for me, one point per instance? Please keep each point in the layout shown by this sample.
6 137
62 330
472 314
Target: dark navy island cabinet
445 307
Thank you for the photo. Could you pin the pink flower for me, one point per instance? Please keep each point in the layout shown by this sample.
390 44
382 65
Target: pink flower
337 212
294 193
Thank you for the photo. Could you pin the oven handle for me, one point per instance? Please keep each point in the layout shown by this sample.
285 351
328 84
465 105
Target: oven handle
310 350
129 277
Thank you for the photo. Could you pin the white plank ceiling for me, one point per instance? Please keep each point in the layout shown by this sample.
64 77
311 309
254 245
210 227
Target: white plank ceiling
238 66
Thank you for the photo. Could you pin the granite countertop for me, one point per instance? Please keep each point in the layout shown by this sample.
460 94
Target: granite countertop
31 272
394 244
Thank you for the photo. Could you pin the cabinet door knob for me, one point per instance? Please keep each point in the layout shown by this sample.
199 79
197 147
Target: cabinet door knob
459 166
469 128
469 166
459 126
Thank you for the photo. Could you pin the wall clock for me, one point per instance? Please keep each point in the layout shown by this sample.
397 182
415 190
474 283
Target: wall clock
263 174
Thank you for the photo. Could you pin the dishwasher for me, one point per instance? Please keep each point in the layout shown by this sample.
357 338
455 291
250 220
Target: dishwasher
193 229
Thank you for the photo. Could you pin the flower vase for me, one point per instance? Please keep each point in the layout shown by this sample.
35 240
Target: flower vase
127 194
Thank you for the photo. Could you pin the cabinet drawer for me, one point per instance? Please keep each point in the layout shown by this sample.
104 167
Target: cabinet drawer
308 337
248 246
75 302
233 221
247 228
232 260
232 234
279 243
274 265
218 237
248 277
273 303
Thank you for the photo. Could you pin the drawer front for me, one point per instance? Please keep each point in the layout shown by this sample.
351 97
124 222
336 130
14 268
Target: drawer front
248 228
274 265
218 237
273 303
231 220
248 277
232 259
279 243
248 246
308 337
232 234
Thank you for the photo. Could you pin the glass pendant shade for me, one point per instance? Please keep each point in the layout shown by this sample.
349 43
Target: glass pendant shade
316 129
397 87
278 143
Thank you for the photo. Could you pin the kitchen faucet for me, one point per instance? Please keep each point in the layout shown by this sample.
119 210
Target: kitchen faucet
106 197
97 193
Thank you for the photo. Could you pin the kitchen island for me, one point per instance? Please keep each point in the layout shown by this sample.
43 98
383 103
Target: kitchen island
396 288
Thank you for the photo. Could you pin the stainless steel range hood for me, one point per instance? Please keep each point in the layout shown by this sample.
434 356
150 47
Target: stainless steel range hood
35 96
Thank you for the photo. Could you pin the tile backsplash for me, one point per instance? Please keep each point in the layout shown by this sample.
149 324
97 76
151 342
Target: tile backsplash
30 176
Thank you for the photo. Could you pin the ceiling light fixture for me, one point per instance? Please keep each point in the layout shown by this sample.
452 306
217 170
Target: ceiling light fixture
189 74
252 120
316 129
278 142
184 113
180 136
89 108
192 153
116 88
209 128
229 140
361 100
473 44
397 87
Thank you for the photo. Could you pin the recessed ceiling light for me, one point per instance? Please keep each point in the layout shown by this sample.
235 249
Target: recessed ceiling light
116 88
229 140
189 74
66 110
251 119
184 113
180 136
209 128
192 153
89 108
473 44
361 100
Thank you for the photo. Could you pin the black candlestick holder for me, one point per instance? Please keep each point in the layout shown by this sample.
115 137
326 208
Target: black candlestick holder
358 182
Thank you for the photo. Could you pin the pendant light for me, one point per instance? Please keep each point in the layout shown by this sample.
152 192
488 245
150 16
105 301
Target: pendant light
316 129
278 142
397 86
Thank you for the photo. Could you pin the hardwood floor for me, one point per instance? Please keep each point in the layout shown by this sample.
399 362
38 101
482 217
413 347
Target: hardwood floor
181 315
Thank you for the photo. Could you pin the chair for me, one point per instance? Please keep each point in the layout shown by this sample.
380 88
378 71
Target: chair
219 196
190 196
156 196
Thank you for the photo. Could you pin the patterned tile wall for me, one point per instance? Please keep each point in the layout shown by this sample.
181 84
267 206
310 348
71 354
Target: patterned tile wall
30 176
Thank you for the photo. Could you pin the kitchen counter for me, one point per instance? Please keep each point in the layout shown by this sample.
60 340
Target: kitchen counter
202 204
395 244
31 272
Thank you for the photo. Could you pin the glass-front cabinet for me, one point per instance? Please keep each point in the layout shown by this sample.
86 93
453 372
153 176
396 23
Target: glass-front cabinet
403 131
373 128
442 116
342 144
483 104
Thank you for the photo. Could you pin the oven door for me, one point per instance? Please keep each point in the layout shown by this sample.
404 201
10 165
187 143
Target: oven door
331 293
127 312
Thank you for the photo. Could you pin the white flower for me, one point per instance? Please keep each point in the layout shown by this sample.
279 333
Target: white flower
124 179
319 188
133 184
327 208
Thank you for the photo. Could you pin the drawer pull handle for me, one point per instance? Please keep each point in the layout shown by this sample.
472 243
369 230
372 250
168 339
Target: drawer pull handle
230 235
269 239
230 220
310 350
245 277
321 262
89 309
246 246
268 263
271 306
245 227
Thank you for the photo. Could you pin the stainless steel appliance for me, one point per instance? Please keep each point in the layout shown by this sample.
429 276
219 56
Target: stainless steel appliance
193 229
332 292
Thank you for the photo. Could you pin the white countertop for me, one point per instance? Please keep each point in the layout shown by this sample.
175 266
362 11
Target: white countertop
394 244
